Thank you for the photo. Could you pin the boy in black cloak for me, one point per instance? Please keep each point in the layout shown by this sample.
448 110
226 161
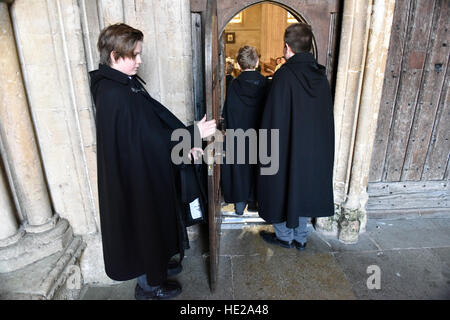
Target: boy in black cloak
242 110
229 74
300 106
141 212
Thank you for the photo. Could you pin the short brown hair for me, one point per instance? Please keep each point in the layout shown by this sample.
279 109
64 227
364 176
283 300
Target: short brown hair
299 37
229 67
121 39
247 57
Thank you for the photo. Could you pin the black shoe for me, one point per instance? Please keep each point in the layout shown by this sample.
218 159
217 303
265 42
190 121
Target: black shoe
169 290
252 207
174 268
271 238
299 246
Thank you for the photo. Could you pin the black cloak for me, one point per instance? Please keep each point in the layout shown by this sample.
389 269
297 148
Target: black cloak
141 213
300 106
242 110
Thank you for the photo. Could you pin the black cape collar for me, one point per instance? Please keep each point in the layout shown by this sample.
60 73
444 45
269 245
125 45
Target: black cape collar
115 75
301 57
252 75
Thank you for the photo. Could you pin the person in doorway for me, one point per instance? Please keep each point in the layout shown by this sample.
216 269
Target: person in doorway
141 213
280 62
300 106
229 74
242 110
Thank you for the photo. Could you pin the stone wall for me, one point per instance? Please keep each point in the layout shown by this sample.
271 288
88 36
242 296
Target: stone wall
48 177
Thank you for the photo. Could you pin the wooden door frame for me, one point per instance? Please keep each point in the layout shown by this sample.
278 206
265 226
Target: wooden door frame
363 48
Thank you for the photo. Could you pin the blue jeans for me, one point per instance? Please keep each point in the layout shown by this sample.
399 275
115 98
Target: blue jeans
298 234
142 281
239 207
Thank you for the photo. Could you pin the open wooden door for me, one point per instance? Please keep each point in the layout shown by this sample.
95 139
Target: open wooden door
212 99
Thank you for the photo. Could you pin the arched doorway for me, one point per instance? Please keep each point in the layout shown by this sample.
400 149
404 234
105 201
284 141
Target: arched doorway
262 26
323 16
209 47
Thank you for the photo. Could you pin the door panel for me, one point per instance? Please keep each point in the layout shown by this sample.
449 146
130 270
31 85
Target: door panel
212 97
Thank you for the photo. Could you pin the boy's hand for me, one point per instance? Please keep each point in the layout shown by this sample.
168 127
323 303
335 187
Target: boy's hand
196 153
206 128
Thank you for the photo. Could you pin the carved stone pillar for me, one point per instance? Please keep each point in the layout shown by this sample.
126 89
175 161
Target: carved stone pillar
355 24
110 12
53 62
44 234
9 227
19 149
366 29
353 219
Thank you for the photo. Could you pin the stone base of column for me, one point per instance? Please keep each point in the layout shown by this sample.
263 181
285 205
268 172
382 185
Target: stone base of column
13 239
345 225
350 225
35 246
329 226
50 224
55 277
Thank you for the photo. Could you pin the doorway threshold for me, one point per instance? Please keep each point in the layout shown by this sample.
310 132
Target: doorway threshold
230 220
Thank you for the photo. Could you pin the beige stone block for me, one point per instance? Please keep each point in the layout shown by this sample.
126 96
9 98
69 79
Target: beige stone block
8 219
112 11
91 30
92 263
42 84
66 169
91 163
87 126
36 48
30 16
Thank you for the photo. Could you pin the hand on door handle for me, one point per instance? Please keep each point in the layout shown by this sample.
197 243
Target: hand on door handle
206 128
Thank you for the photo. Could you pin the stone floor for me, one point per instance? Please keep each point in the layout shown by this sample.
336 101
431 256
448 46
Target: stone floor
413 257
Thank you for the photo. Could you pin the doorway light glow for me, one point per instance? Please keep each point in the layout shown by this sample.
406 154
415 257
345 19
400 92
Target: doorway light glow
237 18
291 18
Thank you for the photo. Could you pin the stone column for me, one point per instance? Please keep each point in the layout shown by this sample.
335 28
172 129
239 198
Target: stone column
110 12
9 228
352 53
50 46
20 152
366 29
354 218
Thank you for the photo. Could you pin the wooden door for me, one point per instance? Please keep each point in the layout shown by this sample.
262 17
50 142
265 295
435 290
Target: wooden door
212 99
410 161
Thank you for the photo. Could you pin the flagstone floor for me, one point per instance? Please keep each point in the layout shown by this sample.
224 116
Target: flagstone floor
411 255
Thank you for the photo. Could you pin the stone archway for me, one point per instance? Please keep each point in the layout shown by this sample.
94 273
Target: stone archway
325 26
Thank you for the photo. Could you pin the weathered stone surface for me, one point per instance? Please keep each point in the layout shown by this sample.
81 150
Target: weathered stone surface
19 147
45 279
35 246
361 99
57 89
